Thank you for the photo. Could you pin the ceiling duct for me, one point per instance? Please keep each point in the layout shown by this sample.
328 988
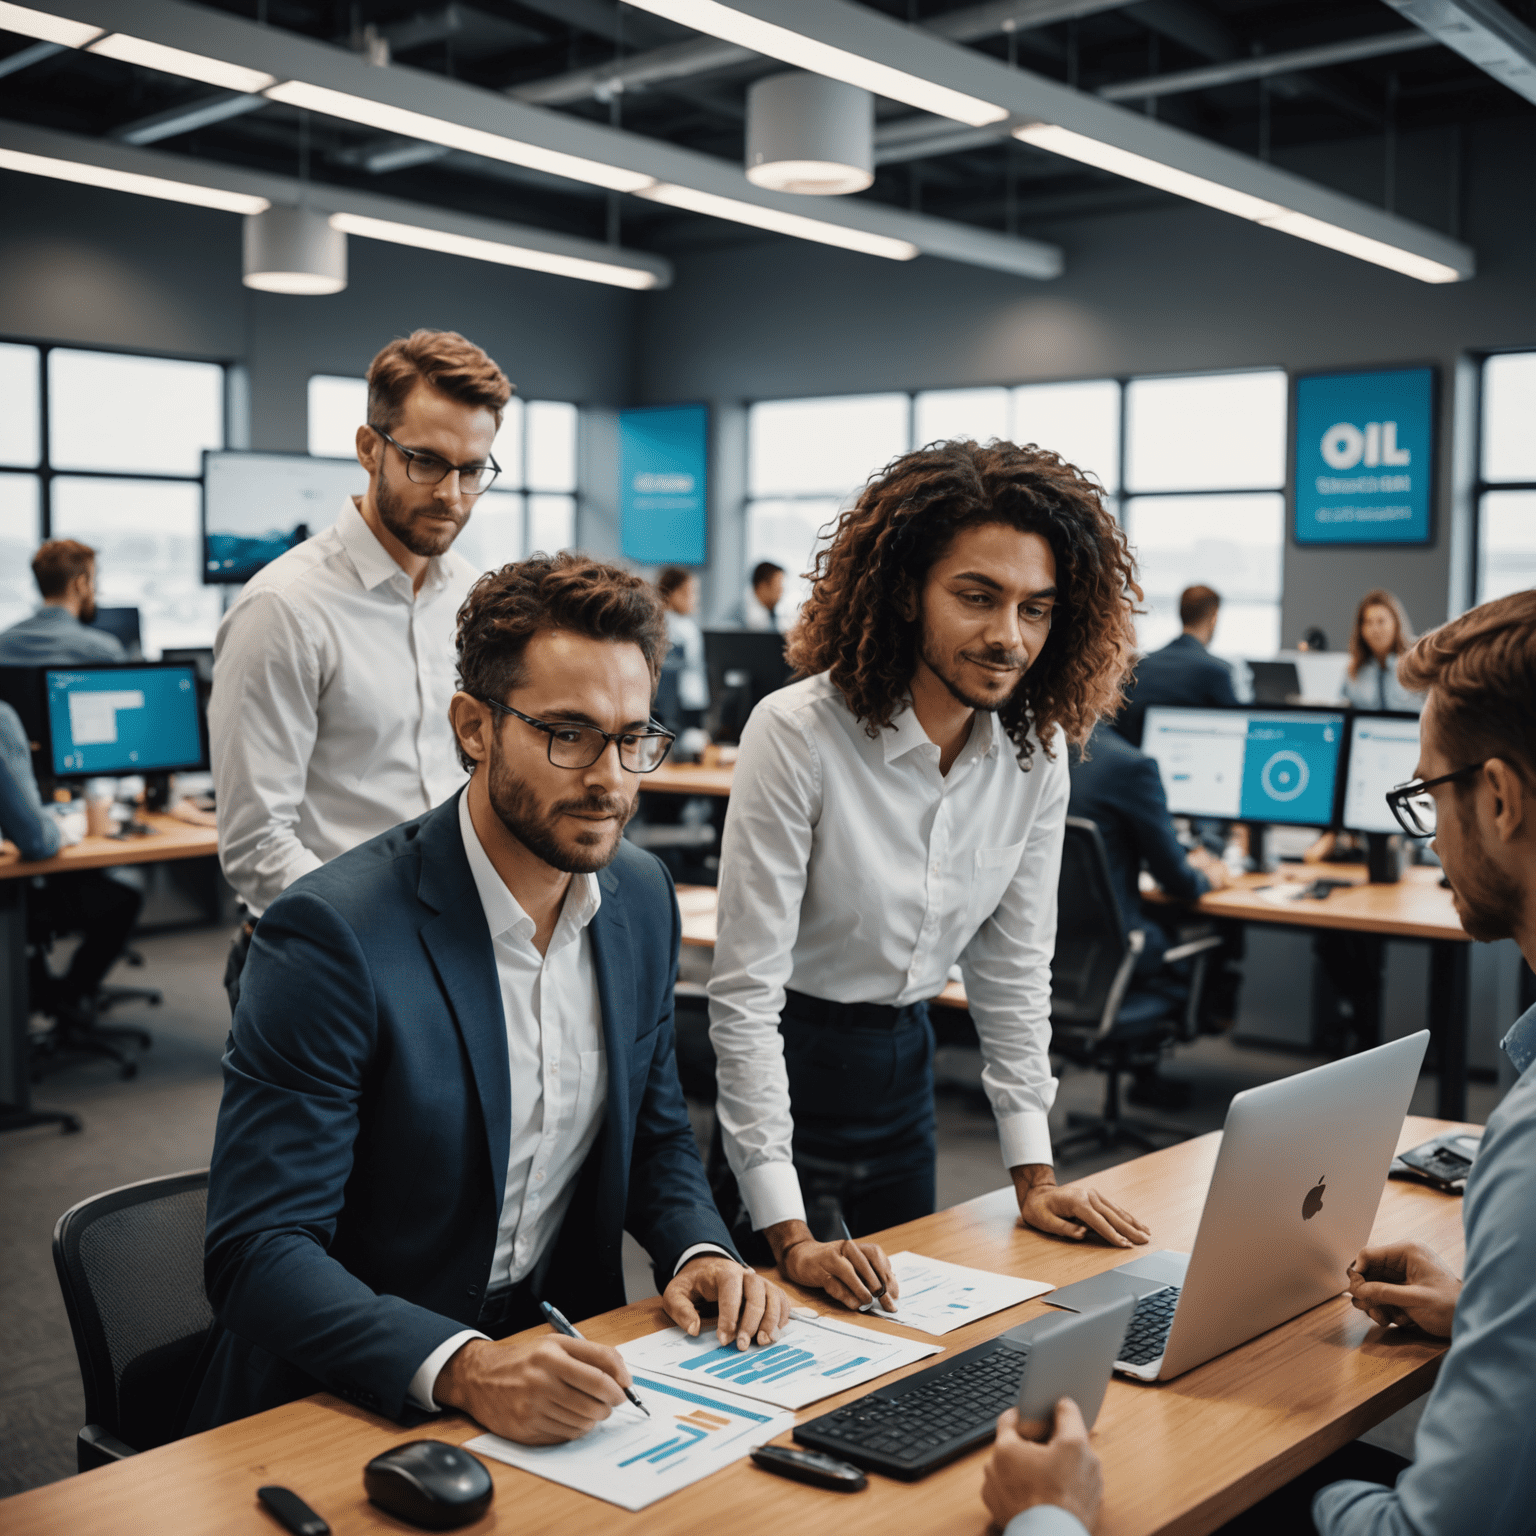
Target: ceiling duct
810 134
1483 33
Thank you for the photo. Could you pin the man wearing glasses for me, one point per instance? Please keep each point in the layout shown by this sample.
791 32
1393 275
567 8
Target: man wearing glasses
332 674
450 1085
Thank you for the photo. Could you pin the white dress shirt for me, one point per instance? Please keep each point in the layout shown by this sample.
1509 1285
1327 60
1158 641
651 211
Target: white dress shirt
692 680
853 870
558 1070
328 722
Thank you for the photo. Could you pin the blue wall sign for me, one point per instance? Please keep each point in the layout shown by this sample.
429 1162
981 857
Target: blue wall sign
1364 454
663 484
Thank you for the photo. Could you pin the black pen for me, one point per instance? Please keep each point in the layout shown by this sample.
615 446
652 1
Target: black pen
561 1324
874 1300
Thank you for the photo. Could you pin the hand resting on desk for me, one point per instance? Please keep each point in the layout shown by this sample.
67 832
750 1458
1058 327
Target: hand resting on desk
1405 1284
1064 1471
1071 1212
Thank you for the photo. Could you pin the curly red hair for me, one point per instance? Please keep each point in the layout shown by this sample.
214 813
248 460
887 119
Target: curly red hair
869 577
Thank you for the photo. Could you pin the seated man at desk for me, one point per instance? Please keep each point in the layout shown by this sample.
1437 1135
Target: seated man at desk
59 633
1183 672
1473 1473
450 1085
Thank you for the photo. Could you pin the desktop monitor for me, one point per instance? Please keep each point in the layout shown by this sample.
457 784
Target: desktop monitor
123 623
1260 765
1275 682
114 721
257 506
743 665
1383 753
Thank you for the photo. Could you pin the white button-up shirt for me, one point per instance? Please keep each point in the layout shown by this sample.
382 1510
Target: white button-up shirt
853 870
328 722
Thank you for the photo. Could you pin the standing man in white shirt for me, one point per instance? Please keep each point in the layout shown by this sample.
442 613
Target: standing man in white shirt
328 722
899 810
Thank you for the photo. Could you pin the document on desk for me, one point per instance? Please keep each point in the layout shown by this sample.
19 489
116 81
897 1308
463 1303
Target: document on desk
938 1297
810 1361
632 1461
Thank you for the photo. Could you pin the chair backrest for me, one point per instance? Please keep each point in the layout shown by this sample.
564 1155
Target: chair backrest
130 1264
1092 945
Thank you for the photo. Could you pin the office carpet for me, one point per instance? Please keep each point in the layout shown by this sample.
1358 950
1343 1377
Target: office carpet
163 1121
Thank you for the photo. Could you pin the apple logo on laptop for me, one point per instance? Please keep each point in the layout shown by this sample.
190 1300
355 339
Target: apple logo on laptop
1314 1201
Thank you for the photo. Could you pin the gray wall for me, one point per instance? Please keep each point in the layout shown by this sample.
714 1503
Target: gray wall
1171 290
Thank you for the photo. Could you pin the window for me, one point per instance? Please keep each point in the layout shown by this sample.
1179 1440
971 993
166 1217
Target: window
1506 491
1079 421
337 408
121 470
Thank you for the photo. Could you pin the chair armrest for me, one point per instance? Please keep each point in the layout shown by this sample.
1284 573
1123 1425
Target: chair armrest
94 1447
1192 948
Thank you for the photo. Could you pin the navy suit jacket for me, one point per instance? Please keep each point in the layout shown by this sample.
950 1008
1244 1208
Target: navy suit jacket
1182 673
1119 788
361 1154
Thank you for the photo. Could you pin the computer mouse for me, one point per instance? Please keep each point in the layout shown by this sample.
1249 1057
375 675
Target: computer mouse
430 1484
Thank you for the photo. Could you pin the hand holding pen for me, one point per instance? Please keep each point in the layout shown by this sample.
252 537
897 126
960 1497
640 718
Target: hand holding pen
561 1324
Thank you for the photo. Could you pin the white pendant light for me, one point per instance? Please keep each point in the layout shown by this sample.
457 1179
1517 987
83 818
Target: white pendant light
810 134
294 250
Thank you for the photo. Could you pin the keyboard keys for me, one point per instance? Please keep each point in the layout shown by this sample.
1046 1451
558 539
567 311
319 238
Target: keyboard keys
1147 1334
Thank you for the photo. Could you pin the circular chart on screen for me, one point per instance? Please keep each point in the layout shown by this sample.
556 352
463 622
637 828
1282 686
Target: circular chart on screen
1285 775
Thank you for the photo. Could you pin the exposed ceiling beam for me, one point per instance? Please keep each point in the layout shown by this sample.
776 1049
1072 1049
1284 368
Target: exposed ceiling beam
1482 32
27 57
183 119
1264 66
675 61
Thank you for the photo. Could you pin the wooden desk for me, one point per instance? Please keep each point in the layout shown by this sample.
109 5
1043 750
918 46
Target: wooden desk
1180 1458
170 839
688 779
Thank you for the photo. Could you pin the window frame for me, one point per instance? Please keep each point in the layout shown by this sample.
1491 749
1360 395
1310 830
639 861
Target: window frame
1481 485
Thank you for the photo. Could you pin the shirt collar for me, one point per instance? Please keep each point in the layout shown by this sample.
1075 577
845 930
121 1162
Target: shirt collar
52 613
1520 1043
906 734
373 563
503 912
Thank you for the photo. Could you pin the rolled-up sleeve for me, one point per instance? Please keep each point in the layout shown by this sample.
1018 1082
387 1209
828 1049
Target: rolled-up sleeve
1006 969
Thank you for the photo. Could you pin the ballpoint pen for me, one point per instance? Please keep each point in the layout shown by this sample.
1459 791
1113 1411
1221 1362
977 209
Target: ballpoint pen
874 1299
561 1324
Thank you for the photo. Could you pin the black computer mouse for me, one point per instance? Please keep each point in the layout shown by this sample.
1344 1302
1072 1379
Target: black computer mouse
429 1483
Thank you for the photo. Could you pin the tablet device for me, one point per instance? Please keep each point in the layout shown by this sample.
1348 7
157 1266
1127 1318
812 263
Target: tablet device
1070 1355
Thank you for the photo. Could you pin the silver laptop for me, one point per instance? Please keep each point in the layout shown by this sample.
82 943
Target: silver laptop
1299 1176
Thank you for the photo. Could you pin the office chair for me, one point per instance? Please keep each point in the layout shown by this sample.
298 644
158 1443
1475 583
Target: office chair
1098 1019
130 1265
87 1035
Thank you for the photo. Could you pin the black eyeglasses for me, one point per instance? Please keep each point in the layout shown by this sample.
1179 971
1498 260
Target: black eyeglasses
579 746
1414 806
427 469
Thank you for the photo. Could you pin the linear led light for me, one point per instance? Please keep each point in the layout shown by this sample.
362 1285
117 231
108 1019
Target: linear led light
437 130
131 181
733 26
796 224
177 61
494 251
49 29
1153 173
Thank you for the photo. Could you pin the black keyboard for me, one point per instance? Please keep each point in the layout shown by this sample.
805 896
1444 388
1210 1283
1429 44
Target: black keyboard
911 1427
1147 1335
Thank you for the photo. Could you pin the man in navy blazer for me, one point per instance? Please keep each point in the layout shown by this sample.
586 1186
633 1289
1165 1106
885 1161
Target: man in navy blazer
1183 672
450 1085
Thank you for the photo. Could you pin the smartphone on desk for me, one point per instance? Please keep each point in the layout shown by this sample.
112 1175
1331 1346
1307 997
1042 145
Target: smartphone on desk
1071 1354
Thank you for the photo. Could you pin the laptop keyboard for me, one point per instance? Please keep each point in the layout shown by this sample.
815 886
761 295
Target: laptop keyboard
1147 1336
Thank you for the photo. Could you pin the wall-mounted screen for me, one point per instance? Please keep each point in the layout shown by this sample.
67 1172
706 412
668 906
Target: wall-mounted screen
664 484
258 505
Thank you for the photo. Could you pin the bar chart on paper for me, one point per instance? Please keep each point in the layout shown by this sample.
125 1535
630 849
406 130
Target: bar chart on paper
632 1461
938 1297
810 1360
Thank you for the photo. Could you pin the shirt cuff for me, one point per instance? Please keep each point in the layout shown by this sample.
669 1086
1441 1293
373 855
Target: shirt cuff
1045 1520
1026 1138
772 1194
697 1249
425 1380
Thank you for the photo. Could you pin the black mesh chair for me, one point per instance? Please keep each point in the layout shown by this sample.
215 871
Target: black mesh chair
130 1264
1098 1020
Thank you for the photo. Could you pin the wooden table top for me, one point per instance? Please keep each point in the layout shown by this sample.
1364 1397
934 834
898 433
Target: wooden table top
688 779
171 839
1180 1458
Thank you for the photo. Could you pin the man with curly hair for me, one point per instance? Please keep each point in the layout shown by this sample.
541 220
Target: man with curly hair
900 810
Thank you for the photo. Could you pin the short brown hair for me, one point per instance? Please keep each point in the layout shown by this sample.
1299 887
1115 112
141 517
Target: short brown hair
1359 651
671 578
1482 668
57 564
1197 606
505 609
447 362
764 572
856 623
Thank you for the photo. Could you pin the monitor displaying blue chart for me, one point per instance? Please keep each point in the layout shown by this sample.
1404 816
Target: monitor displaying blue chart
114 721
1248 764
1383 753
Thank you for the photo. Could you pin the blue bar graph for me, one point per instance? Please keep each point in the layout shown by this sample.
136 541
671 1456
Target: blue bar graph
847 1365
686 1438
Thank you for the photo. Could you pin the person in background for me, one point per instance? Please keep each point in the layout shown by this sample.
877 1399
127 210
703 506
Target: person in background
679 592
328 722
1183 672
759 608
58 634
1380 636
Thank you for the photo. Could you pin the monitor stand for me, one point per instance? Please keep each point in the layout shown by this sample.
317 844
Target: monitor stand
157 791
1256 831
1383 858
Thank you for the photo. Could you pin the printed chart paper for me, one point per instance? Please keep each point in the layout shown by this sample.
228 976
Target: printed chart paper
938 1297
809 1362
632 1461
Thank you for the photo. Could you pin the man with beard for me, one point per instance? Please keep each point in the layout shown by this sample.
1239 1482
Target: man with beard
896 812
332 672
59 634
450 1084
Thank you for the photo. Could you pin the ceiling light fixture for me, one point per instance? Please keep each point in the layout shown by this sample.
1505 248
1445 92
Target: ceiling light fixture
802 52
437 130
810 134
49 29
130 181
493 251
781 223
177 61
1346 241
294 250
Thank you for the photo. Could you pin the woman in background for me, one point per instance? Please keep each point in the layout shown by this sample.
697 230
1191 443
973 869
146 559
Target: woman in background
1380 635
679 590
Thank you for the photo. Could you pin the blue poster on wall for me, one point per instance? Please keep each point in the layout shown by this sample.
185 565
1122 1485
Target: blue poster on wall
663 484
1364 453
